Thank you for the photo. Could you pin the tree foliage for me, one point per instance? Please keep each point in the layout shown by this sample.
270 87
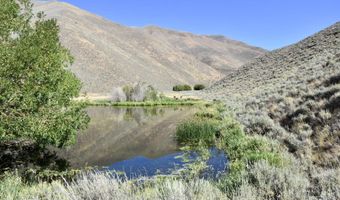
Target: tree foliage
36 87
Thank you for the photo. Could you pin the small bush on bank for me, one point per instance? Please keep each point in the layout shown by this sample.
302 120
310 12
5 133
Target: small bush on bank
199 87
182 88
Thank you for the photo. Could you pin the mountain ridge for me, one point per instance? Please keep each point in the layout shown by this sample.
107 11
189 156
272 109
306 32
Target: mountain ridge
108 54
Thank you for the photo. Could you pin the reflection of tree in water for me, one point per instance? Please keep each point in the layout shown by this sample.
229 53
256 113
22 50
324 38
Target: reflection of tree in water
152 111
135 114
128 114
141 115
100 115
161 112
147 131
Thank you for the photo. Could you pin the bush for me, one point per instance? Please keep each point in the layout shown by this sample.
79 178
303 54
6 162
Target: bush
199 87
263 181
182 88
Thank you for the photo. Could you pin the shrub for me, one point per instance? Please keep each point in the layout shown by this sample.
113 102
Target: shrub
263 181
199 87
182 88
104 186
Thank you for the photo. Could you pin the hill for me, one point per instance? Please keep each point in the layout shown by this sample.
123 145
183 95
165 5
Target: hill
292 95
108 54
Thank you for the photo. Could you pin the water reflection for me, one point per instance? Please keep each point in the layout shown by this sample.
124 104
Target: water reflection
167 164
120 133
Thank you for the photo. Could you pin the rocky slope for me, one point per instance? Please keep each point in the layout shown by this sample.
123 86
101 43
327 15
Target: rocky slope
108 54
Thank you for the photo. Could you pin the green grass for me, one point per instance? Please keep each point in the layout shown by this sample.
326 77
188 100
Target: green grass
167 102
197 130
216 126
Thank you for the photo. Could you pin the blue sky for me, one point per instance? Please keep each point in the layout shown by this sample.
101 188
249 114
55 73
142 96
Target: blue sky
268 24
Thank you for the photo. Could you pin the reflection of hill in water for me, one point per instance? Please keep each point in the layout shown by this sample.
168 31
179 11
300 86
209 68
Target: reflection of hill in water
116 134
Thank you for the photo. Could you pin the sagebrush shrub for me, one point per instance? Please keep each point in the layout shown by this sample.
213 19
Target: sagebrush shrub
199 87
182 88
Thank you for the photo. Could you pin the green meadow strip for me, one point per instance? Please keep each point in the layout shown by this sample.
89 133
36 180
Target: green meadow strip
144 103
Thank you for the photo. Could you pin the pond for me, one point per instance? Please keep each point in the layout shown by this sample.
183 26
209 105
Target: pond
135 140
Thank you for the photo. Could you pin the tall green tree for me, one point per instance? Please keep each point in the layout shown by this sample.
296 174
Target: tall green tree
36 86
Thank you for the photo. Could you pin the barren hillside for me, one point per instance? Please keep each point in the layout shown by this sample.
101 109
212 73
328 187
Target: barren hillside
108 54
292 95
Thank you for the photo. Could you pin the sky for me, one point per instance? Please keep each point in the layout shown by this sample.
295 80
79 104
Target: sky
269 24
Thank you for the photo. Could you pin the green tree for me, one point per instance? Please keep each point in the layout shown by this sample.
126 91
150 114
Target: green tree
36 87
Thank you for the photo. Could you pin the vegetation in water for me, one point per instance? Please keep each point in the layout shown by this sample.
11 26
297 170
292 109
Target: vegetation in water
197 130
215 126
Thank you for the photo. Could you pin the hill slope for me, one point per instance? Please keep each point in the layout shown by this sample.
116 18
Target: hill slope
292 95
285 66
109 54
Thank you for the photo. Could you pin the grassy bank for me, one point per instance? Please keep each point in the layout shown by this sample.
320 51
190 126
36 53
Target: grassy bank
259 167
215 126
163 102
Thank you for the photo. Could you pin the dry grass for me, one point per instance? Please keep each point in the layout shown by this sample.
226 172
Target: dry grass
106 186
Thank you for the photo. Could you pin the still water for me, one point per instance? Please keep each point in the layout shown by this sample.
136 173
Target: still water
135 140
